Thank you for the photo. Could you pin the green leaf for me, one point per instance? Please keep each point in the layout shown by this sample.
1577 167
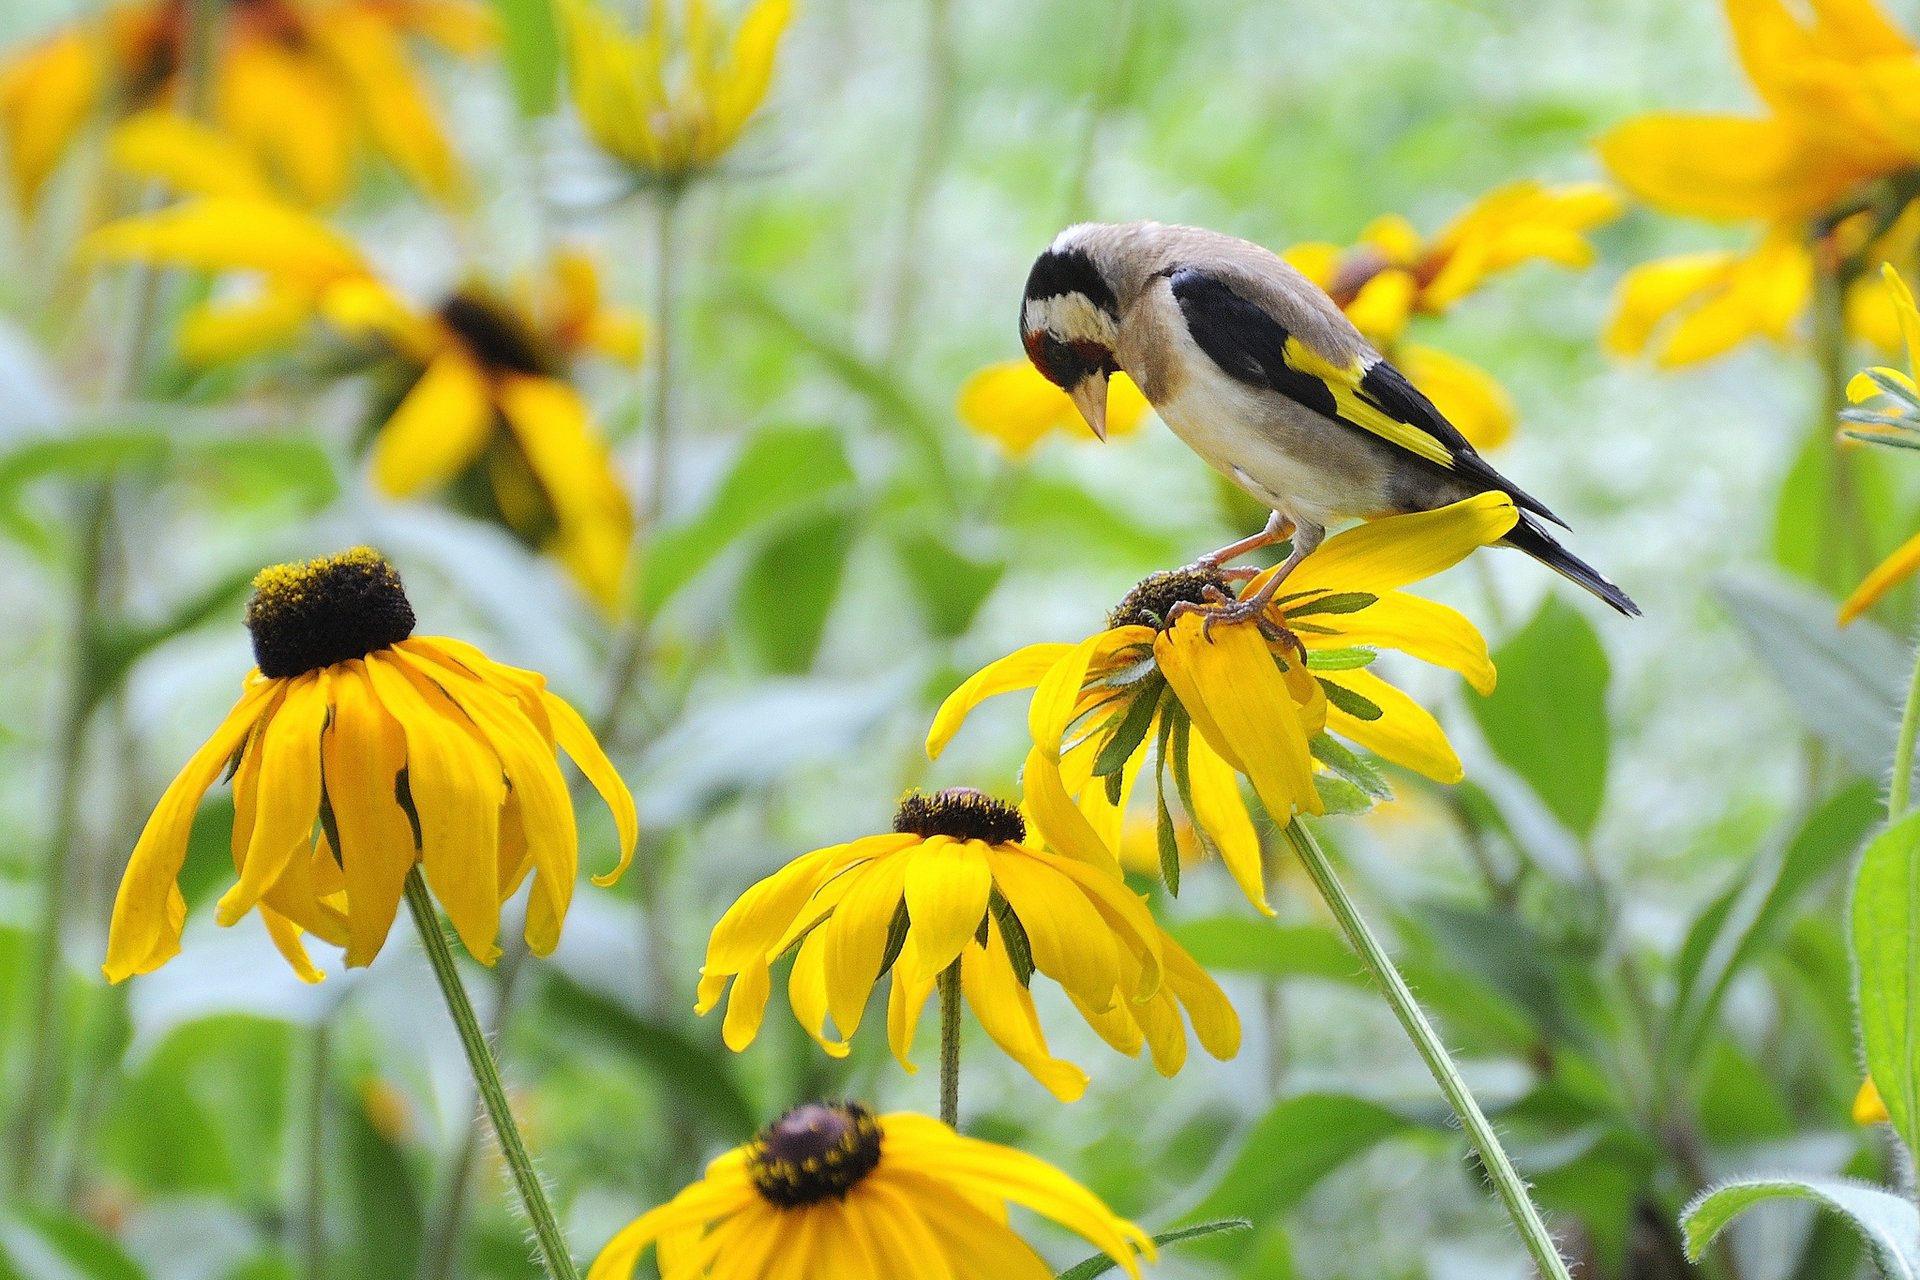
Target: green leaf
949 584
789 588
1099 1264
703 1077
1355 705
1548 719
1339 797
1347 659
530 46
1747 919
1845 685
1130 732
1336 602
1888 1224
781 470
49 1246
1886 948
380 1190
1351 765
1236 944
1289 1150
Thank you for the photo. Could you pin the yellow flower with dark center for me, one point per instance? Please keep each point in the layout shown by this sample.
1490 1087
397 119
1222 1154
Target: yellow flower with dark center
357 751
487 406
1896 423
1013 405
1263 701
302 85
1842 97
674 97
1393 274
832 1190
958 882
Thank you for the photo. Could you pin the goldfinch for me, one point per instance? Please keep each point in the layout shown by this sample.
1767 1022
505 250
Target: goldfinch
1261 374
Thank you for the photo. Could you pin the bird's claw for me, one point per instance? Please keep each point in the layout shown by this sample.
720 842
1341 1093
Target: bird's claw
1221 608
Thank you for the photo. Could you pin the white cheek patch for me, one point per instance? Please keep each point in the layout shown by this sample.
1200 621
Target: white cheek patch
1070 317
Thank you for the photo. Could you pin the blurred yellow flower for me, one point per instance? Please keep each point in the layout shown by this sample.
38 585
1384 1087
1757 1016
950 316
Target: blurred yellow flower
958 883
1869 1107
358 751
488 390
1013 405
302 86
832 1190
674 97
1392 275
1897 424
1265 700
1842 97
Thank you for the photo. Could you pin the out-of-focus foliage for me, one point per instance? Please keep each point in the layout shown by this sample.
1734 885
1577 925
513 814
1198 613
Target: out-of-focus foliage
1628 922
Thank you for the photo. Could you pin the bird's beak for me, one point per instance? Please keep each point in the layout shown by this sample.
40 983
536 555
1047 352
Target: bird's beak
1090 398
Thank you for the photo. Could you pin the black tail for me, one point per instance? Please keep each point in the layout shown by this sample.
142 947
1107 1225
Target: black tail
1529 537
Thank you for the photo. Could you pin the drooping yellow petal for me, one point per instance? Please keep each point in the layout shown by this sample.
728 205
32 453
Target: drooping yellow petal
739 92
1723 166
147 910
1222 814
362 755
227 234
856 937
905 1001
286 940
946 890
807 993
292 112
1238 700
746 1006
187 156
1007 1014
1055 817
1383 555
1383 306
1022 669
577 740
594 534
217 332
1429 631
438 430
289 793
393 103
1404 733
1467 396
1070 941
1886 575
45 95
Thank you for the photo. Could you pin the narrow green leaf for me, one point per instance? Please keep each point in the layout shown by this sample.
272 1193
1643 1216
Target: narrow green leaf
1164 834
1886 948
1100 1263
1355 705
1340 797
1130 732
1347 659
1351 765
1335 602
1888 1224
1014 935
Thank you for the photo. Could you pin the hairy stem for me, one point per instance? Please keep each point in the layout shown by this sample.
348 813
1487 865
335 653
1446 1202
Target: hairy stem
950 1045
555 1259
1493 1157
1900 787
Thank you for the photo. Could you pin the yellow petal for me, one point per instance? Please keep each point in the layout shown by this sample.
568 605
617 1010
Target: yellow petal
46 92
1404 733
1222 814
393 103
947 888
744 85
1903 307
226 234
216 332
746 1006
147 911
856 938
292 111
1070 940
1383 305
1652 291
1723 166
1886 575
807 993
1046 800
1011 404
1007 1014
1383 555
187 156
574 467
1429 631
1467 396
1238 700
577 740
438 430
1022 669
1868 1106
362 754
1317 260
289 793
286 939
904 1004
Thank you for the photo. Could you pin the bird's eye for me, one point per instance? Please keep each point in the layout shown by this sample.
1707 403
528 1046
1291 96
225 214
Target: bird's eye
1065 364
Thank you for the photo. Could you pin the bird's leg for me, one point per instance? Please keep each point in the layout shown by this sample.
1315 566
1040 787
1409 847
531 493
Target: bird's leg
1221 608
1277 527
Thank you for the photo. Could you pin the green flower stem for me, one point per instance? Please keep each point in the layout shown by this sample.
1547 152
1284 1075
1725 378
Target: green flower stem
1493 1158
313 1209
950 1045
1900 788
557 1262
666 283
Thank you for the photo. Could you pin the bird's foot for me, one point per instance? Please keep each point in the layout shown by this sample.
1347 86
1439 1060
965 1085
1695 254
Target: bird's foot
1221 609
1212 564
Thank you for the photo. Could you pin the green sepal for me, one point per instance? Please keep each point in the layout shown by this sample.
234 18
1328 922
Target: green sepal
1337 602
1351 658
1347 700
1163 820
1014 935
1340 797
1351 765
1127 735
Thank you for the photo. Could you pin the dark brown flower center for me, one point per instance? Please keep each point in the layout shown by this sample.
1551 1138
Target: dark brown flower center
496 335
960 812
814 1152
305 616
1152 599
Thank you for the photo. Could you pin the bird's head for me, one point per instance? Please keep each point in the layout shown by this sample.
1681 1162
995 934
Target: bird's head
1068 322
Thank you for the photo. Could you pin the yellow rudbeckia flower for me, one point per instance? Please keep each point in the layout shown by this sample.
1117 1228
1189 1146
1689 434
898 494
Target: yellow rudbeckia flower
1011 404
357 751
1896 423
1393 274
302 85
674 97
1265 703
958 883
834 1190
1840 88
486 376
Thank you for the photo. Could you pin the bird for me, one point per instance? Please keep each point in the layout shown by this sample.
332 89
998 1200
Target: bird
1258 371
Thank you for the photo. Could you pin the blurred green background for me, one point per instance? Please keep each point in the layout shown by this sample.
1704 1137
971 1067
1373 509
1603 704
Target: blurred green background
1627 923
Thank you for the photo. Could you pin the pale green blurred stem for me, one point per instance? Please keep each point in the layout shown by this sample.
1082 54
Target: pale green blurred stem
313 1209
1846 548
666 284
1900 787
556 1260
897 309
1123 23
1493 1158
949 984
